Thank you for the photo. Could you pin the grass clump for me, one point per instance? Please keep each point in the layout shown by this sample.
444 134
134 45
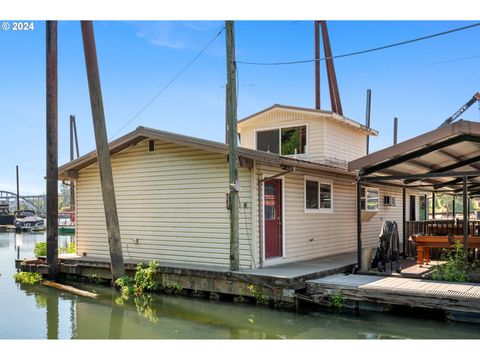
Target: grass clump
455 267
27 277
337 300
144 280
40 249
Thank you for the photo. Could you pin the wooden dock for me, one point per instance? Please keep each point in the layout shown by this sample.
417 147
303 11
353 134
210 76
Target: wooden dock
459 301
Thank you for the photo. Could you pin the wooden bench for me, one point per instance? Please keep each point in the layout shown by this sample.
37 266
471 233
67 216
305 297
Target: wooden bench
426 242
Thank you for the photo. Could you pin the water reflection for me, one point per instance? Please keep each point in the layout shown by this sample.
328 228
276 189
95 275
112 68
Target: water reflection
35 311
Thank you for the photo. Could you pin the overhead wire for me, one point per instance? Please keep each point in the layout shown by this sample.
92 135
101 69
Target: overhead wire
361 51
157 95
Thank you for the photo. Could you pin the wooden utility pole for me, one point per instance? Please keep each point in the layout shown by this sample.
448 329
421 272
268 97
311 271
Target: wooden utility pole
72 183
316 25
332 77
103 153
52 149
232 146
18 190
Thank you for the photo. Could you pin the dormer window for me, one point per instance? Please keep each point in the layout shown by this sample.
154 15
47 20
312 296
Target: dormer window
288 140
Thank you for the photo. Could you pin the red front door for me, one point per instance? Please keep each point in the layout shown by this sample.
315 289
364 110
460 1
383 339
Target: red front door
272 200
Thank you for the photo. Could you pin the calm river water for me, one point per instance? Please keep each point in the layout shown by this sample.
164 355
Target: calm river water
31 312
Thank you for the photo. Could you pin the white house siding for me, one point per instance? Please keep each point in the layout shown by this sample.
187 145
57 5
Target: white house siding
286 118
172 200
343 142
313 235
371 228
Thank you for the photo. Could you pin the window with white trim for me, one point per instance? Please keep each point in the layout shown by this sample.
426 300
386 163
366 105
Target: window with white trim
284 141
369 198
318 195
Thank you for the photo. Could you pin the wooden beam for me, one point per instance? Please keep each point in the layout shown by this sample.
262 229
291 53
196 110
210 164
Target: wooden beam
104 163
52 149
232 146
332 77
316 25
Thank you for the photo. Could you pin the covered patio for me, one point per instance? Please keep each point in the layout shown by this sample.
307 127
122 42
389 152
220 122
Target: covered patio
442 161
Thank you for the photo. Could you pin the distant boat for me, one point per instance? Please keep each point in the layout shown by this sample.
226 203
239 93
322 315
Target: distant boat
66 222
27 220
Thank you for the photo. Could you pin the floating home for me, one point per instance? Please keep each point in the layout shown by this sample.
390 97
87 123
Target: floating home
297 197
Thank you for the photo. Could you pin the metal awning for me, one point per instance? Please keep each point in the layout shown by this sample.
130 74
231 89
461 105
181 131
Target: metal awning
434 161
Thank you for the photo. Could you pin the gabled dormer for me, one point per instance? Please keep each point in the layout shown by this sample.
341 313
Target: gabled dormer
307 134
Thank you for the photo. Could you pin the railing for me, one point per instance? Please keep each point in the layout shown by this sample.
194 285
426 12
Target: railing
438 227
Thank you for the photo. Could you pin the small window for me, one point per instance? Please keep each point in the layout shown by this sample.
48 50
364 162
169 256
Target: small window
151 145
369 199
294 140
268 141
318 195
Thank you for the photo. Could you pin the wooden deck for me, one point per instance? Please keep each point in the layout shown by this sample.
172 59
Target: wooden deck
453 298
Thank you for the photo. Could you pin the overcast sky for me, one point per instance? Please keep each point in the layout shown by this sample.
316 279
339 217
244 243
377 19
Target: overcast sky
421 83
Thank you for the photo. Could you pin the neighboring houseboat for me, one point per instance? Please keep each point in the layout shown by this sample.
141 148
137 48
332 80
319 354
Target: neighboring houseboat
66 222
5 217
27 220
297 197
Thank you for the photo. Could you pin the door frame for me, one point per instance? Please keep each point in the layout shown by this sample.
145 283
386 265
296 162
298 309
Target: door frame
278 259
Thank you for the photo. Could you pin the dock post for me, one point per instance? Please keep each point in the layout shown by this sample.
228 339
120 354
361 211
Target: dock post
52 149
232 146
18 190
103 153
359 225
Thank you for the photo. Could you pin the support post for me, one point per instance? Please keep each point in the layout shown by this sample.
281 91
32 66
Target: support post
367 116
332 77
52 148
465 215
359 224
404 220
316 25
395 131
454 212
232 146
103 154
72 183
433 205
18 190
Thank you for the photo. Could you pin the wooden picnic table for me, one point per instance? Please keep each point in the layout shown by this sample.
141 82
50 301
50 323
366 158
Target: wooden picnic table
427 242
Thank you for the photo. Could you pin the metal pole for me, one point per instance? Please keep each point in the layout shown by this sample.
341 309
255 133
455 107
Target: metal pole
18 191
103 154
454 212
75 135
465 215
433 205
232 145
404 220
332 78
395 131
367 116
316 25
52 149
359 224
72 183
